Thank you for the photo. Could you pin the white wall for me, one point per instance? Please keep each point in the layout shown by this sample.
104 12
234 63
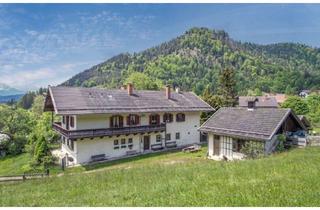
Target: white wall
84 149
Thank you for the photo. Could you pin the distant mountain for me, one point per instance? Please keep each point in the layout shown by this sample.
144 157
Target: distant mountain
6 90
193 61
5 99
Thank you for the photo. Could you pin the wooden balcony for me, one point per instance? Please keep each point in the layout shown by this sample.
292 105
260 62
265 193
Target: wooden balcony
90 133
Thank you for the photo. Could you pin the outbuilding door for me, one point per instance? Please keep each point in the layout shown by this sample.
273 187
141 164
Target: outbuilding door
216 146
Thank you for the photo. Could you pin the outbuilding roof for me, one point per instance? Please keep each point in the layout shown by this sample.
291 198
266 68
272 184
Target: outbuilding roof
257 124
79 100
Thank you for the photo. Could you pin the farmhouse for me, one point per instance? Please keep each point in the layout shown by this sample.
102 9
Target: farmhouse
230 128
98 124
258 101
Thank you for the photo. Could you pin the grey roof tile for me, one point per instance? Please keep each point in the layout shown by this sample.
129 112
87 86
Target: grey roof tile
257 124
76 100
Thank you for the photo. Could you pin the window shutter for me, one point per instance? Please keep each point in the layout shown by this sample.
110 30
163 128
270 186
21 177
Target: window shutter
158 119
137 119
150 116
111 122
128 120
120 121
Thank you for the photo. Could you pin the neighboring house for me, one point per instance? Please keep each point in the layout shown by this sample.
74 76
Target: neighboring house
280 98
304 93
230 128
258 101
107 124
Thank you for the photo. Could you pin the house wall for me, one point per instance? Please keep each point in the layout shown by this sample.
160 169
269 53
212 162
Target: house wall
225 145
85 148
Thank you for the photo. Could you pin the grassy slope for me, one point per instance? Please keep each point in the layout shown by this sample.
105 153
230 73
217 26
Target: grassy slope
177 179
13 165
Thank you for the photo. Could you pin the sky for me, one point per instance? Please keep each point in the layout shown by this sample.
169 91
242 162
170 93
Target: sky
46 44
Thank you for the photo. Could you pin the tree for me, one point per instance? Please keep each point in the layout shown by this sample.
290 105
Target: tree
297 104
227 86
26 101
37 106
143 82
214 101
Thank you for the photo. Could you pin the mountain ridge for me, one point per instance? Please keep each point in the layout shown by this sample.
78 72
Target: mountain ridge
194 59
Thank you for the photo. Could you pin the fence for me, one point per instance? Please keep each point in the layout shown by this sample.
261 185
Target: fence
314 140
24 176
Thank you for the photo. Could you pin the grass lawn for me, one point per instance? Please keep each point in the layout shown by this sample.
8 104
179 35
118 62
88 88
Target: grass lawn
13 165
178 179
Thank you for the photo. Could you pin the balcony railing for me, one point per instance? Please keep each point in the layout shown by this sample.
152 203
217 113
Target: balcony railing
89 133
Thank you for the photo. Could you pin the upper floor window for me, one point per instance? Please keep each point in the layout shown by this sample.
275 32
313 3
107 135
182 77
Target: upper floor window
116 121
154 119
180 117
167 117
64 119
133 119
71 121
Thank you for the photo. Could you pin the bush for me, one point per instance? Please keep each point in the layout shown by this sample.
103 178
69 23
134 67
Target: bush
253 149
281 138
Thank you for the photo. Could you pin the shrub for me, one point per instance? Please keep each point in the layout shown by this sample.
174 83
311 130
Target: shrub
253 149
281 138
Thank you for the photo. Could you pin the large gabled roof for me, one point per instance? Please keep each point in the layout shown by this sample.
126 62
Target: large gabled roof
78 100
257 124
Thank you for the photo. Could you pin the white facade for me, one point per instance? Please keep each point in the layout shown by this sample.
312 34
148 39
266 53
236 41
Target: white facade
82 149
226 147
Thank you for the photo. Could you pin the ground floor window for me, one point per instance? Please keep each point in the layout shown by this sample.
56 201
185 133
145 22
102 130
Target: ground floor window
177 136
130 143
123 143
237 145
226 146
158 138
168 137
116 144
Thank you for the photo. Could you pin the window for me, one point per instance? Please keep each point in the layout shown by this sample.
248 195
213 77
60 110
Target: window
237 145
71 121
154 119
133 119
158 138
130 143
168 137
216 137
123 143
63 119
63 140
116 121
177 135
227 146
167 117
116 144
180 117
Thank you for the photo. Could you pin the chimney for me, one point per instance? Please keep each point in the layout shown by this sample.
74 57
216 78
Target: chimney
168 92
130 89
252 103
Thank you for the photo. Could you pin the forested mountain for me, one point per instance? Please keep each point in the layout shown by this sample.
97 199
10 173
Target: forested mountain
194 60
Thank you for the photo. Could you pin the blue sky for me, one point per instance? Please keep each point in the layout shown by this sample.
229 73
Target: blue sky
42 44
